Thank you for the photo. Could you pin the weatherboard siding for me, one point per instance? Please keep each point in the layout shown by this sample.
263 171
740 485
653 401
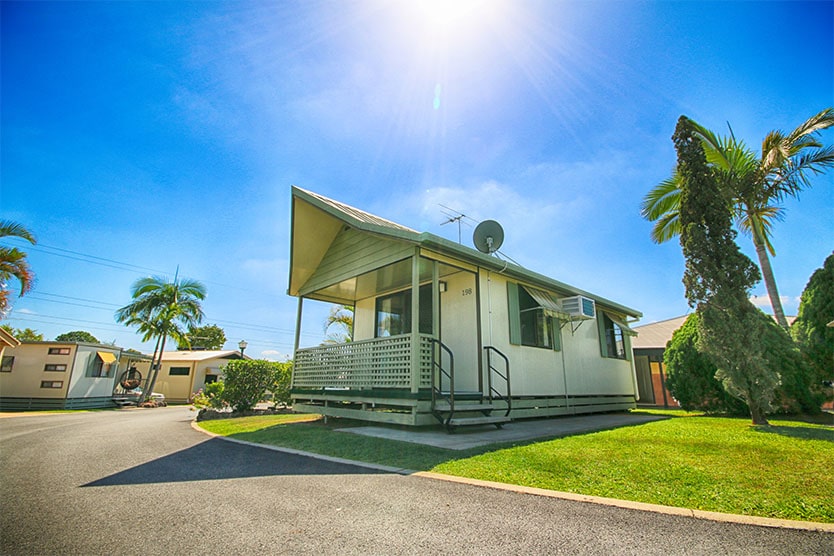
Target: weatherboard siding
353 253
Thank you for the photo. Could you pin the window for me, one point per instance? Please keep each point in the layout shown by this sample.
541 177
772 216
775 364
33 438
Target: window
7 364
59 351
101 365
532 319
55 367
52 384
613 337
179 371
393 313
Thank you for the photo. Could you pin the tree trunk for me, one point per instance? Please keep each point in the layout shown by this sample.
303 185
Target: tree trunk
758 416
155 373
770 281
145 390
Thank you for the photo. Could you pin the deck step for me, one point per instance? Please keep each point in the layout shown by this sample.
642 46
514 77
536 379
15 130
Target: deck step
471 421
444 407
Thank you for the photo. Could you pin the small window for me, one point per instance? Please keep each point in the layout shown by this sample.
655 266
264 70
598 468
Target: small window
102 365
52 384
59 351
7 364
531 324
179 371
612 337
55 367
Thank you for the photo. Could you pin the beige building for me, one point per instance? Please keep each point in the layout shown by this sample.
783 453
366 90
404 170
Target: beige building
185 372
63 375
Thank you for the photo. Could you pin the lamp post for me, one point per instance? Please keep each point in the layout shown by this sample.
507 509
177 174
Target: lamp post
242 345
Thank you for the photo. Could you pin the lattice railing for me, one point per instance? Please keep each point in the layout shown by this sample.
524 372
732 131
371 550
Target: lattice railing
377 363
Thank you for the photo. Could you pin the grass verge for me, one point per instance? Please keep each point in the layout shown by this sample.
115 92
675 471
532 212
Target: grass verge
707 463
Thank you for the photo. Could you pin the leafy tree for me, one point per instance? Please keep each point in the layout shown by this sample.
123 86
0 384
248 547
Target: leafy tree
209 336
690 375
77 336
13 263
161 309
247 381
24 335
340 318
718 277
754 186
811 330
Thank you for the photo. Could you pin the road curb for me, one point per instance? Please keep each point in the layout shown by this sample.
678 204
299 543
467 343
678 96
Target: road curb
613 502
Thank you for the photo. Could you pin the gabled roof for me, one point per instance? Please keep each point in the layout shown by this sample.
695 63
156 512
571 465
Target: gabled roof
304 261
360 219
200 355
8 339
656 334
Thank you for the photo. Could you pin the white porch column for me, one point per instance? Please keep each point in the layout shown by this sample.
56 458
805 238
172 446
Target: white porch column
297 337
415 321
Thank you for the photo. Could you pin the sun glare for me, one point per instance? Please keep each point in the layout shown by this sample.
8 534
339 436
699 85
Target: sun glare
452 17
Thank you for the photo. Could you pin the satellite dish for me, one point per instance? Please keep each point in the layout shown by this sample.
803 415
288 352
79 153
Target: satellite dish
488 236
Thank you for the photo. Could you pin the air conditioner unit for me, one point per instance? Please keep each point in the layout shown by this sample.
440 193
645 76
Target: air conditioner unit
579 307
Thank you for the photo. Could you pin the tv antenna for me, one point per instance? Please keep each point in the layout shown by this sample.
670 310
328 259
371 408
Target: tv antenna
488 237
453 215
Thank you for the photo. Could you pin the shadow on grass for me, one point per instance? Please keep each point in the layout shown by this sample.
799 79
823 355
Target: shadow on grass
803 433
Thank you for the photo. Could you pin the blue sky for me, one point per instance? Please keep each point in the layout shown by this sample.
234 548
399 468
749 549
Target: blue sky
142 137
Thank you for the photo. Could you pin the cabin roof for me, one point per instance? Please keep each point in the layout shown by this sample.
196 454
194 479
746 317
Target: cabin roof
302 263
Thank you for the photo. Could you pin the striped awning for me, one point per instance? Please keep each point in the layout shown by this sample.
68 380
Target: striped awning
545 300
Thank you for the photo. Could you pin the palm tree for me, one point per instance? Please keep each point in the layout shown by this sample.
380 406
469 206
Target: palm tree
340 316
755 187
162 309
13 263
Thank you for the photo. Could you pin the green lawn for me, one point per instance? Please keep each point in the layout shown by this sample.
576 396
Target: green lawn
707 463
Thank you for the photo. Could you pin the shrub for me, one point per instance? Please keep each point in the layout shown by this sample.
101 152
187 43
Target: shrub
690 375
247 381
281 388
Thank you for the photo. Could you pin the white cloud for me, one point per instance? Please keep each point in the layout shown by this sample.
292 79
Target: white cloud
789 304
274 355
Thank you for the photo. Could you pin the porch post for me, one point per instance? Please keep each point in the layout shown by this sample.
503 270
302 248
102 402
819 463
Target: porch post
415 321
297 337
435 299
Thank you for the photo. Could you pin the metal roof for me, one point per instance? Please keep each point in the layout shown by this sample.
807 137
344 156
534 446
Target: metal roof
368 222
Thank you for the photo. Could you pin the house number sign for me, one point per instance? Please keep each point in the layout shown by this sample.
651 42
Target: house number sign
466 291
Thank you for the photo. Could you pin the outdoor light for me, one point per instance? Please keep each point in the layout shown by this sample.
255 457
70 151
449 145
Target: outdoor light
242 345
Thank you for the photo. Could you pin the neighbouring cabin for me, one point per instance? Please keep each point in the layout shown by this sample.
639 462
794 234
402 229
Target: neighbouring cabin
63 375
446 333
183 373
649 348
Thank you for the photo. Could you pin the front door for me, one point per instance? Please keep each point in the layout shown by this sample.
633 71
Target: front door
459 328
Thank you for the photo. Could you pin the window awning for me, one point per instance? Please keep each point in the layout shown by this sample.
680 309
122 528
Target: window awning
545 300
107 357
625 328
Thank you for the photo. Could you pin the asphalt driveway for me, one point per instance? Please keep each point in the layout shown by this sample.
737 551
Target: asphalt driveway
143 482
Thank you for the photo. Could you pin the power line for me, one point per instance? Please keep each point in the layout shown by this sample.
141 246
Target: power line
111 263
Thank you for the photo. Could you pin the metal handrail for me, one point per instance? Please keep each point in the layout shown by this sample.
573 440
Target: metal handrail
505 375
438 371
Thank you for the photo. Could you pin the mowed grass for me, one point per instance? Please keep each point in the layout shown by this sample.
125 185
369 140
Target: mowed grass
785 470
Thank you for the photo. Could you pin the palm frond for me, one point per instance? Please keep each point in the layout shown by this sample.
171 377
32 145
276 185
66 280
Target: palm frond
13 229
664 197
667 227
